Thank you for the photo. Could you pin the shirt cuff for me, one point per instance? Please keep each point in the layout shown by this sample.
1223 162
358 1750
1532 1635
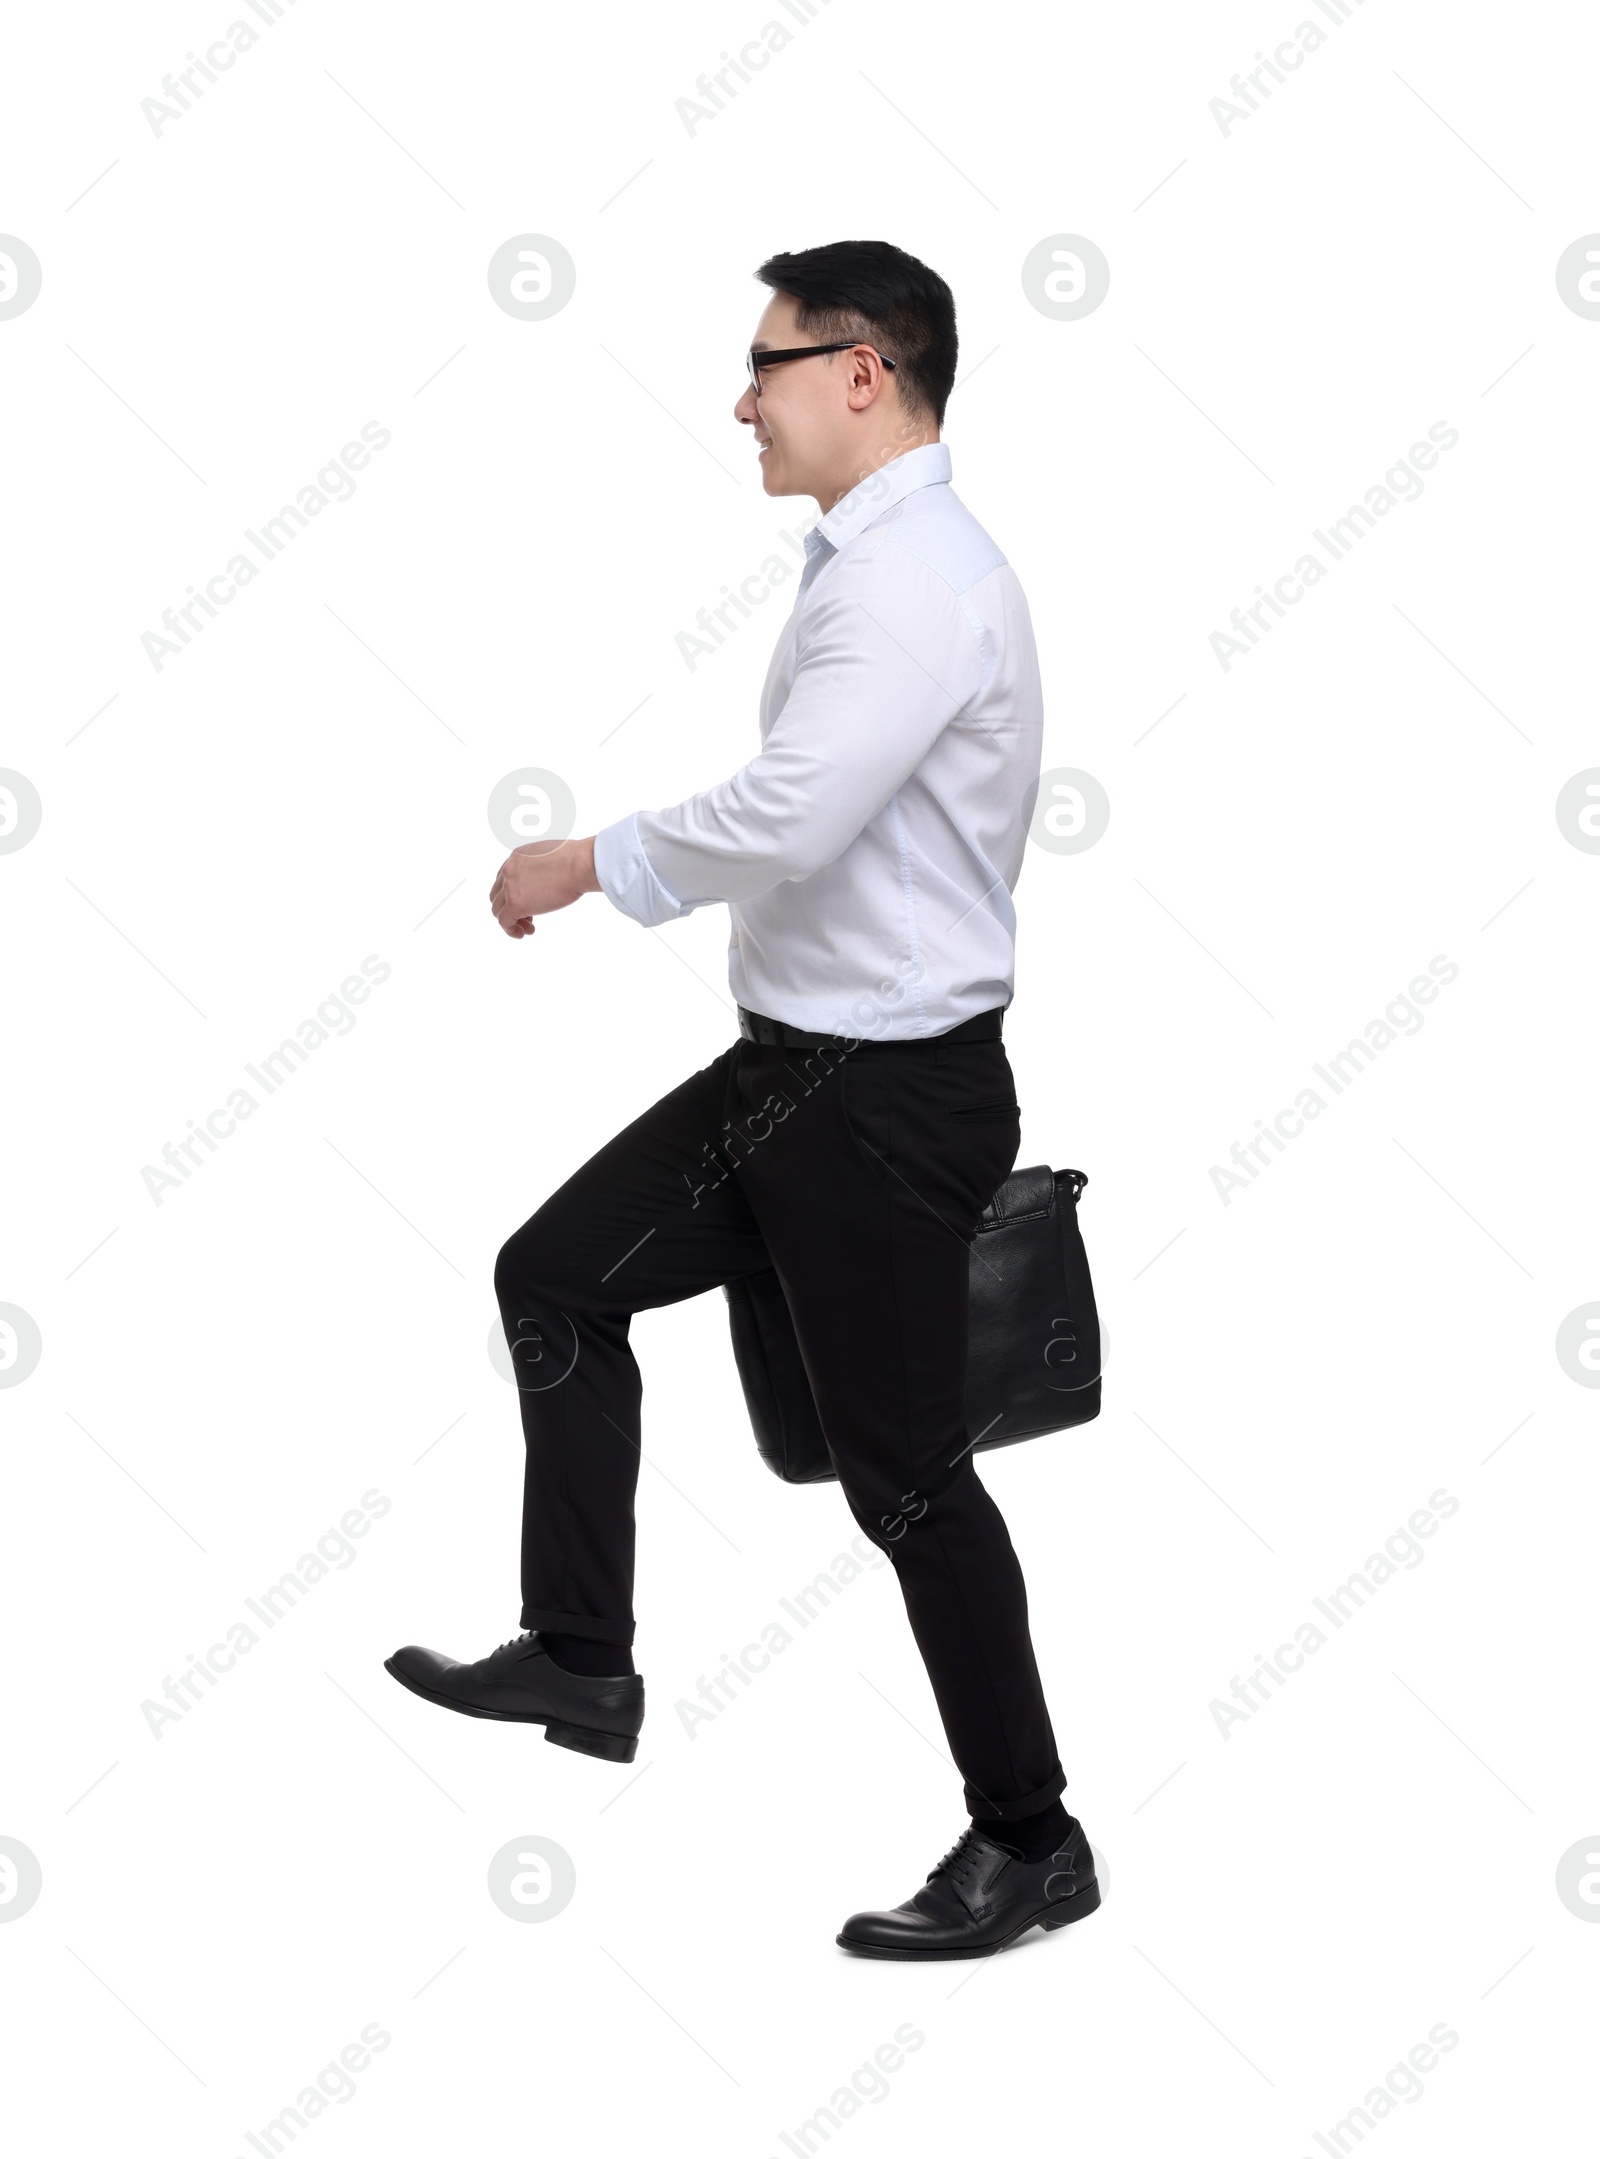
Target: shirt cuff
626 878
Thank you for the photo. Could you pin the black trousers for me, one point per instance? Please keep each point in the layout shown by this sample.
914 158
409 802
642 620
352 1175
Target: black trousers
859 1175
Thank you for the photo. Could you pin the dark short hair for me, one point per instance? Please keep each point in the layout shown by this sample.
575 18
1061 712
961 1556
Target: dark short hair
869 290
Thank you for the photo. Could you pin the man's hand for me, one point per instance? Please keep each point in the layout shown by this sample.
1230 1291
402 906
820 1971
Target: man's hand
539 878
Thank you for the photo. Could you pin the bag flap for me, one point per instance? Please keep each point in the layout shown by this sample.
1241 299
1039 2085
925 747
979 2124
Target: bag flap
1026 1195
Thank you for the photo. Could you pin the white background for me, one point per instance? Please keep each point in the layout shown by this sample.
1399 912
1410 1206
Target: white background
1292 1907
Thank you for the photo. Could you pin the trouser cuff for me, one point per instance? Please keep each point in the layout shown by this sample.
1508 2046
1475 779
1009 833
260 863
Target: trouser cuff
1014 1810
583 1624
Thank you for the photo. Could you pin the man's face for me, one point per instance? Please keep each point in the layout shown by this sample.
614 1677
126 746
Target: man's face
801 421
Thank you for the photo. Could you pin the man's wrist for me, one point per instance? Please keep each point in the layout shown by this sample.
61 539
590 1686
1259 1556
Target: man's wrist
584 875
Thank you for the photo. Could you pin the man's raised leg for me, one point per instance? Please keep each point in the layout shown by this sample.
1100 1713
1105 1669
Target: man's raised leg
652 1218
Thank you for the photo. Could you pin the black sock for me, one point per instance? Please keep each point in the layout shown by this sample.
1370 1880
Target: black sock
1035 1837
594 1660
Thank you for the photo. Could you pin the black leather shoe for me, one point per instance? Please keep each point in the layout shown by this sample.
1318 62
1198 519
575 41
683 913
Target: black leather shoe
521 1683
980 1898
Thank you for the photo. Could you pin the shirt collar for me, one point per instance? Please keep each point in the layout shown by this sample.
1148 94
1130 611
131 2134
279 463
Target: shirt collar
882 491
926 466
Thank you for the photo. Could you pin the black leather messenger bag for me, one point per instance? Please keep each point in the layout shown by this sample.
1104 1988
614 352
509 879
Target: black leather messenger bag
1033 1357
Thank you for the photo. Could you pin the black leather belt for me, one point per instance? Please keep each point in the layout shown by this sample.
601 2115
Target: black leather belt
778 1034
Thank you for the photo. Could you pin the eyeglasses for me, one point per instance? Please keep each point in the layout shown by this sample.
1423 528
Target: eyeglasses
756 361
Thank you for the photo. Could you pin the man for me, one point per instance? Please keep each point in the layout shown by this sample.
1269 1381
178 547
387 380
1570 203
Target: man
853 1134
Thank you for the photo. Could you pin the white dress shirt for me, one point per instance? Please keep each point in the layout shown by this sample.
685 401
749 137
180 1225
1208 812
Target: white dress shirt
868 853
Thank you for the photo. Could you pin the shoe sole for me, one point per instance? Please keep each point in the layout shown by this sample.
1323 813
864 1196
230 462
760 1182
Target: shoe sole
606 1746
1080 1906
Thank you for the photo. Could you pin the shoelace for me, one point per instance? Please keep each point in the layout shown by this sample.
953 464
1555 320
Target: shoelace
512 1644
961 1855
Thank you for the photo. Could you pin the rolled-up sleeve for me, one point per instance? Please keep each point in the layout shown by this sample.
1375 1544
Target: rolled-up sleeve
626 878
886 658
